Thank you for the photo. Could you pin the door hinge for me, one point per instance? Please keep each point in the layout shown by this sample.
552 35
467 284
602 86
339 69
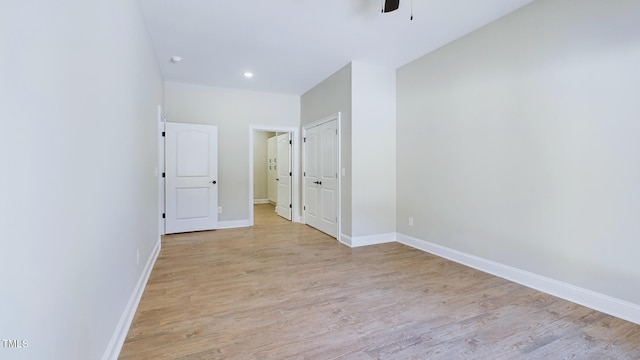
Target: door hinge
304 139
290 143
290 207
164 215
164 133
304 173
163 174
290 174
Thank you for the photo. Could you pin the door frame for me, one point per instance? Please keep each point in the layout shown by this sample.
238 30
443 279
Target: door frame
295 167
160 170
337 116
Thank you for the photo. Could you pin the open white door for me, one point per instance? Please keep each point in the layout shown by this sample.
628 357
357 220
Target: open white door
191 177
321 177
283 156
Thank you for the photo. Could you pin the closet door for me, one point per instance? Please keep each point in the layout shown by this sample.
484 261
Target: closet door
329 178
312 207
321 177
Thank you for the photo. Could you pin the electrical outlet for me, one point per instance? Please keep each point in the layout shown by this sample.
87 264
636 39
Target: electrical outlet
410 221
219 209
138 257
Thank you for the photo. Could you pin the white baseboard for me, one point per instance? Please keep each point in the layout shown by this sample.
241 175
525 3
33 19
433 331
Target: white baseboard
367 240
120 333
233 224
345 239
591 299
372 239
261 201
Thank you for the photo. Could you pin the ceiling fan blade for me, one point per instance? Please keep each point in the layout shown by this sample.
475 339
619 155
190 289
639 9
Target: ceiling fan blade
390 5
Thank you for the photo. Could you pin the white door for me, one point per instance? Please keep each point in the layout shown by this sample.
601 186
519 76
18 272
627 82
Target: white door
321 177
283 167
329 177
311 177
191 177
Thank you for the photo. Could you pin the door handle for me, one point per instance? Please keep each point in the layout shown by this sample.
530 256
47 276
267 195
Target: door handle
318 182
214 182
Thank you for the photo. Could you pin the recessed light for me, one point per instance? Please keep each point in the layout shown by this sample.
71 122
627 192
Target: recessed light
175 59
248 74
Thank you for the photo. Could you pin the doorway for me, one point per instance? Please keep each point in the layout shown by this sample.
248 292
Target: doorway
274 175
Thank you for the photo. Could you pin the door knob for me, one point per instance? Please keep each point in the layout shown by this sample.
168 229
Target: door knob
214 182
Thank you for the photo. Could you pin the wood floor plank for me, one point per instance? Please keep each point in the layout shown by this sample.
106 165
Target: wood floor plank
281 290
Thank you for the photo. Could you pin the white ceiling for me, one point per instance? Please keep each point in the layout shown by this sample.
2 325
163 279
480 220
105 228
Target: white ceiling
292 45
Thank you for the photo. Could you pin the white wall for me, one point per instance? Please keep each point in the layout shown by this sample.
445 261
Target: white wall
331 96
373 144
365 96
519 144
232 111
260 164
79 89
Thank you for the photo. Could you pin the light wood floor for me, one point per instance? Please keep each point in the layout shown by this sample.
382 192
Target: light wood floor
281 290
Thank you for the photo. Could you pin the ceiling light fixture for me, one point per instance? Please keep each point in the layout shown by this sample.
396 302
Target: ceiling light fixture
175 59
248 74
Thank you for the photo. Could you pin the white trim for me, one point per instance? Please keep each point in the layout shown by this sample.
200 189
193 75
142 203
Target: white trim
338 117
357 241
261 201
119 335
604 303
295 168
231 224
159 170
345 239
